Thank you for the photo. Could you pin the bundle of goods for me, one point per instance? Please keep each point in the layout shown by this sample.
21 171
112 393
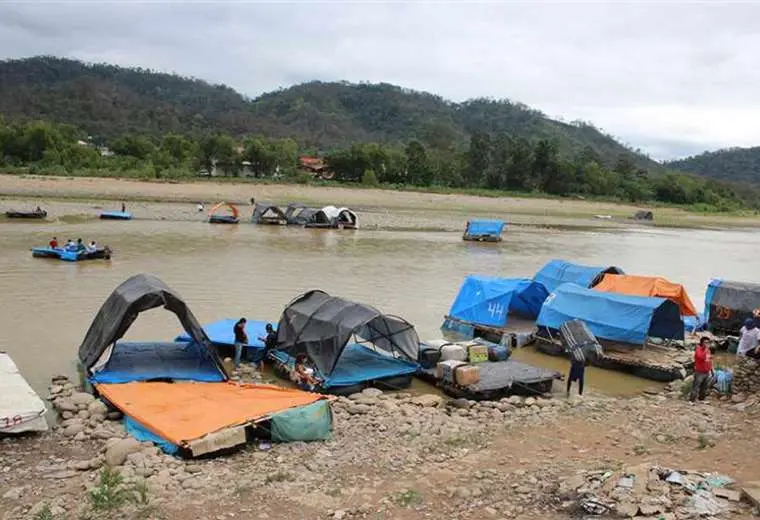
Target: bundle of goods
579 341
457 372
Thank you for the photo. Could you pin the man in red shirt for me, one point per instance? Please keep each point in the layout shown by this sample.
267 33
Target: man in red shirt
53 243
702 371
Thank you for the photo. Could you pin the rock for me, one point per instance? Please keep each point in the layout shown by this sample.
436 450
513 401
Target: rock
626 509
97 418
515 400
355 397
114 416
427 400
67 415
82 398
339 514
73 430
372 392
358 409
193 469
65 404
369 401
81 436
97 408
55 389
14 493
530 401
118 451
460 403
503 407
83 414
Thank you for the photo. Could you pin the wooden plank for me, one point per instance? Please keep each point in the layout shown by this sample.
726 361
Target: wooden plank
751 492
227 438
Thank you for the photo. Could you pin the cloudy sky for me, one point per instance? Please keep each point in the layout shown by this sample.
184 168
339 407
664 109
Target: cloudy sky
672 79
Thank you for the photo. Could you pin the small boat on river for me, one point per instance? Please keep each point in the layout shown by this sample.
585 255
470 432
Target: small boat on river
37 214
67 255
116 215
483 230
215 217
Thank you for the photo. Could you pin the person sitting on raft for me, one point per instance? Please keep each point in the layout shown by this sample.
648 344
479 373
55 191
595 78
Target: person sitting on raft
92 247
749 341
53 244
71 245
302 375
80 247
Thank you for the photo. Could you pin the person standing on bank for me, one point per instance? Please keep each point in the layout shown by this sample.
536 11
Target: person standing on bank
702 370
241 339
270 342
577 372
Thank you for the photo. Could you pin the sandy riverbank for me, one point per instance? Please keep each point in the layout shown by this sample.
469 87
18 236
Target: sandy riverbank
516 210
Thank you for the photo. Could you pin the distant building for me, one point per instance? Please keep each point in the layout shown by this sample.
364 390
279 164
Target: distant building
316 166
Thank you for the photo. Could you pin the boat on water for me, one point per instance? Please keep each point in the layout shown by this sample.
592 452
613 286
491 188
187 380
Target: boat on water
116 215
67 255
21 409
483 230
268 213
347 346
216 217
38 214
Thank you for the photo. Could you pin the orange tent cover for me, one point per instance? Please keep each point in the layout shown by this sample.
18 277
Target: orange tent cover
233 209
183 411
648 286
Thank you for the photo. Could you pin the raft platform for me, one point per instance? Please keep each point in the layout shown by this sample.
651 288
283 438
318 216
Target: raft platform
498 379
518 332
71 256
116 215
654 362
359 367
21 409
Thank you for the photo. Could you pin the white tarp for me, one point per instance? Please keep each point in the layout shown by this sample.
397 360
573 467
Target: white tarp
21 409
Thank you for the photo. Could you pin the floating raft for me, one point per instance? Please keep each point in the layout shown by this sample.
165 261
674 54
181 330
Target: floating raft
116 215
653 362
518 332
359 367
499 379
70 256
26 214
21 409
223 219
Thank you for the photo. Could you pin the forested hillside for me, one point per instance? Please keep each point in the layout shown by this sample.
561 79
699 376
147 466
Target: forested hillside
108 101
732 164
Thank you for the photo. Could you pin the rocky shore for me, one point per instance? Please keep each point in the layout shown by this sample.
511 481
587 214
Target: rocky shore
397 455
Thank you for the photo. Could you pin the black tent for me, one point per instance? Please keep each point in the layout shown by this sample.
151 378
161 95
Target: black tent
729 303
320 326
298 214
268 213
137 294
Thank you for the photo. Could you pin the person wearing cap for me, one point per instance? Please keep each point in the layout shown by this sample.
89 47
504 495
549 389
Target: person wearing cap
749 339
702 370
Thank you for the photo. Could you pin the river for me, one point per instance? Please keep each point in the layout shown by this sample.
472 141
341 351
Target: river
254 271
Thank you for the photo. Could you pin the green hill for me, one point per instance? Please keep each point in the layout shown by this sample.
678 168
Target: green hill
107 101
732 164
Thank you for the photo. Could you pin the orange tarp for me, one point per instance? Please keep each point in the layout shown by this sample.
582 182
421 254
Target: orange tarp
233 209
648 286
182 412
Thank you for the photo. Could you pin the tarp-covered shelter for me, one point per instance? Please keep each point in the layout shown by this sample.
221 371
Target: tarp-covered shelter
268 213
298 214
557 272
484 300
728 304
333 217
217 215
648 286
610 316
485 230
332 331
109 361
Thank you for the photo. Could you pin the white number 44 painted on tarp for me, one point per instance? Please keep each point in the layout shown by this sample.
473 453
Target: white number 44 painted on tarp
496 310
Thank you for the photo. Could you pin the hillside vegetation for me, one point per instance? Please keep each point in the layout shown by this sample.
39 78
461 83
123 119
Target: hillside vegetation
108 101
732 164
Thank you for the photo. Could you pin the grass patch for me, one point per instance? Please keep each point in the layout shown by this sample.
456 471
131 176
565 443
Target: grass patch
110 493
44 514
456 441
640 450
408 498
704 442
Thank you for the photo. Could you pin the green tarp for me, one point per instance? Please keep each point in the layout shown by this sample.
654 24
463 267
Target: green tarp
305 423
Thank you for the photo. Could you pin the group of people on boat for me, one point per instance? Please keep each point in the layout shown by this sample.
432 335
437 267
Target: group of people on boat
302 374
70 245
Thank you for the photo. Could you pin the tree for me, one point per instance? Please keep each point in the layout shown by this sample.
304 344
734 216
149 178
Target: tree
498 172
418 167
520 166
478 159
546 170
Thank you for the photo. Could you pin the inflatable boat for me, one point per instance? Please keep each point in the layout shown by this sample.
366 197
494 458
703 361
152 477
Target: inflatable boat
71 256
116 215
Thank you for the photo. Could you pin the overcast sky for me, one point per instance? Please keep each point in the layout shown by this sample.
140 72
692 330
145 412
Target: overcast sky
672 79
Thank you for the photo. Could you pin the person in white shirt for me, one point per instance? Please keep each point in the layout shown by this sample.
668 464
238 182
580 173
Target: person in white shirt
92 247
749 339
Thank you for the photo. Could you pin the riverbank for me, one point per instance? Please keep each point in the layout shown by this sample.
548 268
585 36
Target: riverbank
525 211
514 459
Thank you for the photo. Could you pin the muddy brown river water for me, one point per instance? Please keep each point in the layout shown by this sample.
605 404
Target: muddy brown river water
253 271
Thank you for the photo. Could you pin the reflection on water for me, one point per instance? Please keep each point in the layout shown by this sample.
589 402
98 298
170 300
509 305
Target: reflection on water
245 270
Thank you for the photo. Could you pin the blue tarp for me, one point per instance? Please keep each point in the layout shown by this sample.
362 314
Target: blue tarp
488 301
221 333
359 364
694 323
484 227
557 272
142 434
612 316
116 215
183 361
